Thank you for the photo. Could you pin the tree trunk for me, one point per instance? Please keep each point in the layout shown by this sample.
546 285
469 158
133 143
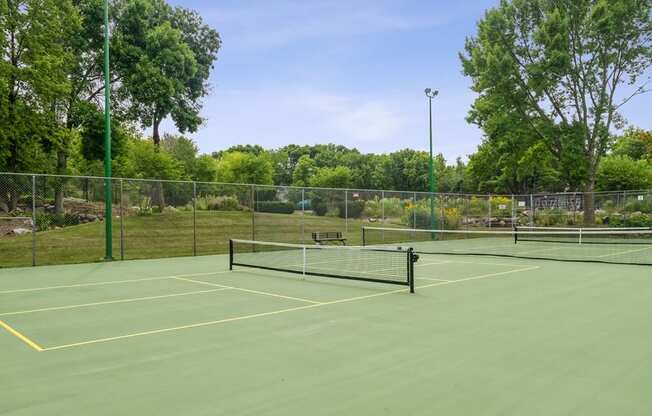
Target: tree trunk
62 162
158 196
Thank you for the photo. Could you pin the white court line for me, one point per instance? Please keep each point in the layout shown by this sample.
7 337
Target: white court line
258 292
111 302
277 312
433 279
624 252
114 282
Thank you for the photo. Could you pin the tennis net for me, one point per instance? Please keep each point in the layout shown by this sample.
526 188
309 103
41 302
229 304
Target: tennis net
631 246
386 264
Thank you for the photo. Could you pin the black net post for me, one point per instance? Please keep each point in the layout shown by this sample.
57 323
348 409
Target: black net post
364 236
411 259
230 254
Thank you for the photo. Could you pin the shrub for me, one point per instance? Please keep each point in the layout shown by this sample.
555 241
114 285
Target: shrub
144 207
501 201
637 219
644 206
223 203
276 207
333 212
218 203
319 208
352 210
44 221
372 208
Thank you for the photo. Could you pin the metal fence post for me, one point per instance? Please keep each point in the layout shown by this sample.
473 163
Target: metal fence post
122 222
194 218
414 212
253 212
514 222
346 211
442 212
531 210
489 200
303 213
33 220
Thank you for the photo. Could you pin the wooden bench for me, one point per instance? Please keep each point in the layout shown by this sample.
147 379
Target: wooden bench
320 237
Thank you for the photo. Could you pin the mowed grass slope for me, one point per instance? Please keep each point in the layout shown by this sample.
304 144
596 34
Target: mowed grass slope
168 235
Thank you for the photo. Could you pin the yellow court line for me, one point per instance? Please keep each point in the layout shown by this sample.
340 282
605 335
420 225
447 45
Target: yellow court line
277 312
110 302
21 337
258 292
114 282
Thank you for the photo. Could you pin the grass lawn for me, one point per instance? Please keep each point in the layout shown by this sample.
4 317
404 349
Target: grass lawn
168 235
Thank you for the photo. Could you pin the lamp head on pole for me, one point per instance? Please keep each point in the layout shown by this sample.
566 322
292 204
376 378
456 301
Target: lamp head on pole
430 93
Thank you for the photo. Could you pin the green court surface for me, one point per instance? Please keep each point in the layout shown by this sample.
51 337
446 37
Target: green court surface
186 336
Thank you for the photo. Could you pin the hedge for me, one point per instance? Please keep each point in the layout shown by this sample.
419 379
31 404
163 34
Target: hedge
275 207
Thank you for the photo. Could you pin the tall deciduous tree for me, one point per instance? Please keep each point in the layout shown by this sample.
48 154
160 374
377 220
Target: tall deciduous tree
165 56
35 55
556 67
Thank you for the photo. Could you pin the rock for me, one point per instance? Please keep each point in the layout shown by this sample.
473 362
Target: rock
20 231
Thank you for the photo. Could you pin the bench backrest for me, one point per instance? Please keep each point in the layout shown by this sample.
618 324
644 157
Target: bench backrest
325 235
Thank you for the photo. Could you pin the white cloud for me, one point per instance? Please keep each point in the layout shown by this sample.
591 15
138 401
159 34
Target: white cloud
258 25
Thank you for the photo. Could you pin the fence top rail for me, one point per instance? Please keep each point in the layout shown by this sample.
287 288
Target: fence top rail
250 185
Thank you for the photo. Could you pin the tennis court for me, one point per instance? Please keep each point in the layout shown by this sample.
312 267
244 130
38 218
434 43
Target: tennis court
480 335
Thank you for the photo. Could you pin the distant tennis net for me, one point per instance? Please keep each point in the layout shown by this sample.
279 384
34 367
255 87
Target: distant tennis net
628 246
386 264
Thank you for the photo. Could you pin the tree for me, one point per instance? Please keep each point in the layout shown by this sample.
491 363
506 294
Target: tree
635 143
238 167
165 56
623 173
183 150
407 170
337 177
205 169
555 67
304 170
143 160
35 50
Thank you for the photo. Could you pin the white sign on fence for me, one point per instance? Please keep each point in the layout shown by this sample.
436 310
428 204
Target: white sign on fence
502 206
521 203
641 197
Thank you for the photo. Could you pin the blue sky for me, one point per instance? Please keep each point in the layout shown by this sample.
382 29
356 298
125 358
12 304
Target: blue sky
347 72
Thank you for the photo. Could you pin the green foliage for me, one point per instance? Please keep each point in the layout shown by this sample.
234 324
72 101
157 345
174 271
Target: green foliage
337 177
635 144
143 160
223 203
303 171
520 62
644 206
164 56
90 120
637 219
624 173
353 209
238 167
275 207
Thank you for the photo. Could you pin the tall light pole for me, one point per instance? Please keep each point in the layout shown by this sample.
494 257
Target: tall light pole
430 93
108 194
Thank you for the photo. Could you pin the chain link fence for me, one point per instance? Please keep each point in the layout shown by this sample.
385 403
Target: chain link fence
49 219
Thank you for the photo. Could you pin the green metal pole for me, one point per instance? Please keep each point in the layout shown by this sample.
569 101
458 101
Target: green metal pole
108 212
432 171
